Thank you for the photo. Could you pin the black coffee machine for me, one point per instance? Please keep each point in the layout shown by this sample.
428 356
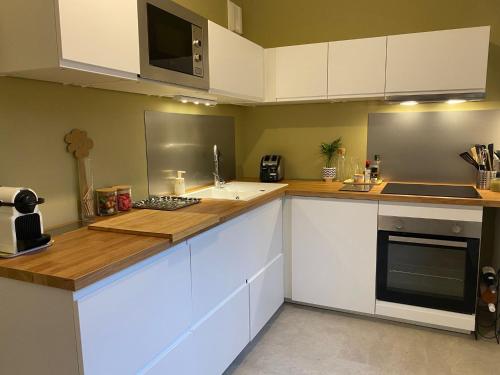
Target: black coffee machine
271 168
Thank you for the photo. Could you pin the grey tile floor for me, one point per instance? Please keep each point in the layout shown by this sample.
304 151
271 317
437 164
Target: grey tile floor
302 340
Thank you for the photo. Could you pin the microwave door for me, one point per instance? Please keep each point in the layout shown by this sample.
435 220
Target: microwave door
169 41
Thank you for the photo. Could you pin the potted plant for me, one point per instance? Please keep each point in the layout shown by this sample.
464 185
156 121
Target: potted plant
328 151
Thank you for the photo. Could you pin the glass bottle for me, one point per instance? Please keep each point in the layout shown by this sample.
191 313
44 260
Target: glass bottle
341 164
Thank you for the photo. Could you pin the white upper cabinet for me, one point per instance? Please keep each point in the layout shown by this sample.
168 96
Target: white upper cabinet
356 68
301 72
270 75
40 37
438 61
100 33
236 65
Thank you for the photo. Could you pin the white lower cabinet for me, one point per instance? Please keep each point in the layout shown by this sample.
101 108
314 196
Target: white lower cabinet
334 245
265 235
185 311
267 294
222 335
219 260
128 322
178 360
227 256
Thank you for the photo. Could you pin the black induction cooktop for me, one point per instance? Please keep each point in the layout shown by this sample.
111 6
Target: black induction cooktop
452 191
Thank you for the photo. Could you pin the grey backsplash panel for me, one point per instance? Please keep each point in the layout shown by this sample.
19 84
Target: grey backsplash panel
424 146
185 142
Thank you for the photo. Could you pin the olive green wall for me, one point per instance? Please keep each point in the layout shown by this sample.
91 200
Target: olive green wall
214 10
296 130
35 116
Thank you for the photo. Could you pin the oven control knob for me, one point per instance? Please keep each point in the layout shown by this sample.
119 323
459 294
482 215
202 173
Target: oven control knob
197 43
399 225
197 57
457 229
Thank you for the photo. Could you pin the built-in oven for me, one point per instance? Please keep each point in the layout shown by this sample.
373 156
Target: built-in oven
173 44
429 263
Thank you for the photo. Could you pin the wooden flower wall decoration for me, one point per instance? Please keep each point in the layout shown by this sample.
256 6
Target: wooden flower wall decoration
78 143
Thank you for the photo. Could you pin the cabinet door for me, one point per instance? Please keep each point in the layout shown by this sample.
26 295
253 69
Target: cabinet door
265 235
219 260
222 335
236 64
334 245
267 294
302 72
125 324
100 33
356 68
438 61
225 257
270 75
178 360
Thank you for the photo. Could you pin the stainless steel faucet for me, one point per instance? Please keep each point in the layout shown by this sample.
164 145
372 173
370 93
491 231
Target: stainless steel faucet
218 182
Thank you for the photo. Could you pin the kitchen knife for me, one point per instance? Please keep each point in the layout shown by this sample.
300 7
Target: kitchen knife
469 159
491 152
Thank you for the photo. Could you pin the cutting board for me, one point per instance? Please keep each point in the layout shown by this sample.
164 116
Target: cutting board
174 225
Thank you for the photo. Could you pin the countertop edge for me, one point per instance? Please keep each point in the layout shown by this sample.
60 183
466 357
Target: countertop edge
396 198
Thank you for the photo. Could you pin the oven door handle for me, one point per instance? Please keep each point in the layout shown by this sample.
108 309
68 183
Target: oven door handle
428 241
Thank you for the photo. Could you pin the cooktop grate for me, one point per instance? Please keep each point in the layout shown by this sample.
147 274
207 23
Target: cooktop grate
166 203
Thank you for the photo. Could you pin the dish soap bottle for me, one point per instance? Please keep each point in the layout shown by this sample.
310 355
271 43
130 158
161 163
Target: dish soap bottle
180 185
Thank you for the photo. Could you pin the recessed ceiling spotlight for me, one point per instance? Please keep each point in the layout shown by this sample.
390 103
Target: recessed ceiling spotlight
455 101
409 102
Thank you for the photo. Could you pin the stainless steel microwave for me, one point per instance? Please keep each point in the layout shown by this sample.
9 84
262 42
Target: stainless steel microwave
173 44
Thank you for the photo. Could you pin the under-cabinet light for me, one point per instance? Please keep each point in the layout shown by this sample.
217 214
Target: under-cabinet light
197 101
455 101
409 102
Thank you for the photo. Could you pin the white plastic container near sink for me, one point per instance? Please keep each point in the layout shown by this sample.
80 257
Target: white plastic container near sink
236 190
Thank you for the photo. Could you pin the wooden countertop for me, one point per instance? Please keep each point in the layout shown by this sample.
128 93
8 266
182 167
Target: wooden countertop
331 189
82 257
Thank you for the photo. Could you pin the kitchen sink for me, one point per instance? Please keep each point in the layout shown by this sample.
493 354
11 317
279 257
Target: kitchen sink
236 190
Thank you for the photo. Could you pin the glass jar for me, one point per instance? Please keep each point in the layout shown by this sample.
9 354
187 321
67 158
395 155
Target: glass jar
123 197
495 185
106 201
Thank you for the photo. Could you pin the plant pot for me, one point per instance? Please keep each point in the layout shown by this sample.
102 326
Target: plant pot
329 174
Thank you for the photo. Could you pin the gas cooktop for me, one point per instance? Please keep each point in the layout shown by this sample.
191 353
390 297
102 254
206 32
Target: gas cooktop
452 191
166 203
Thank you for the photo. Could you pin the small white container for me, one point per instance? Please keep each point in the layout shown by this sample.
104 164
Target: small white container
180 185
